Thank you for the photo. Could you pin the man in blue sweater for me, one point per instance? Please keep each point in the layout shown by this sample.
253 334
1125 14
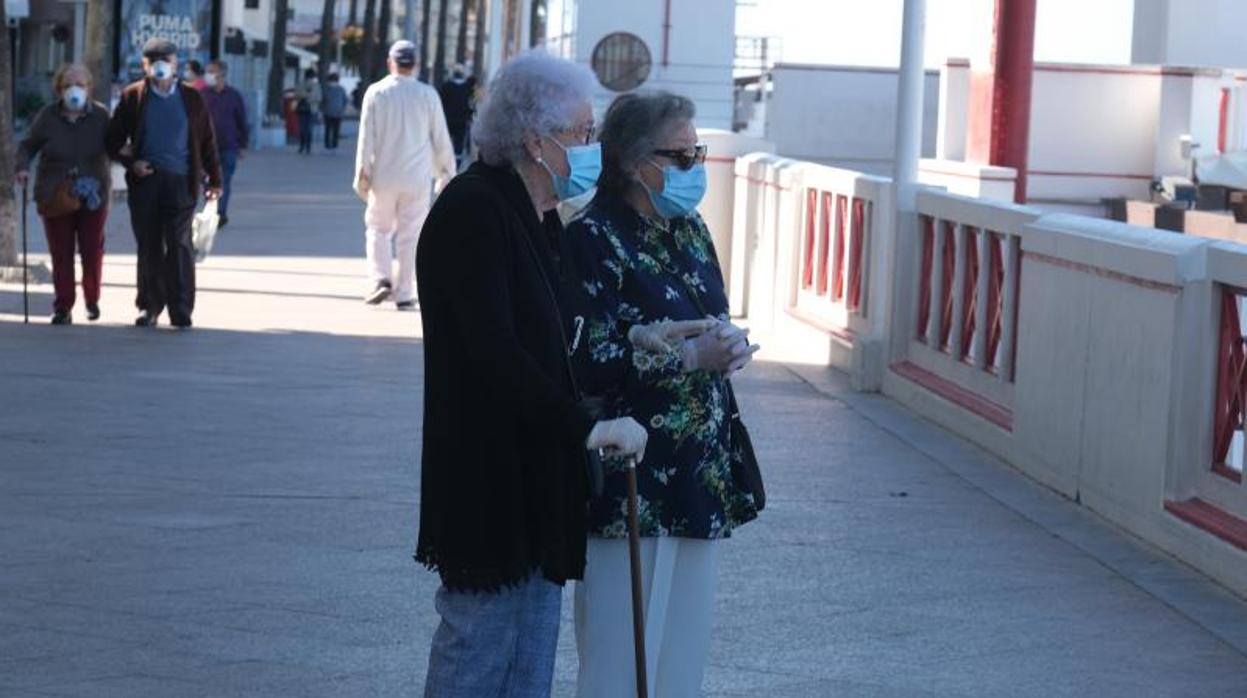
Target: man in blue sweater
162 133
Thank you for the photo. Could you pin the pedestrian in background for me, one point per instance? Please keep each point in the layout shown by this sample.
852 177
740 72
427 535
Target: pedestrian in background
503 483
332 108
162 133
637 257
194 75
457 95
229 120
403 148
307 100
72 186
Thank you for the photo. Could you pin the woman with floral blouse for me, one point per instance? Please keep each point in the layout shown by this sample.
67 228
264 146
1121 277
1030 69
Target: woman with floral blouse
649 331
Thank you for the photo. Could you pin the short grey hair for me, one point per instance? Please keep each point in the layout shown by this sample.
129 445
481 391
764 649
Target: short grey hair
635 125
533 93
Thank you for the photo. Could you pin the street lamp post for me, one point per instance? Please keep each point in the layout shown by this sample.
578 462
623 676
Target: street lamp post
909 100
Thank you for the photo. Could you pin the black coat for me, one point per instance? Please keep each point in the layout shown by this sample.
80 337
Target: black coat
503 483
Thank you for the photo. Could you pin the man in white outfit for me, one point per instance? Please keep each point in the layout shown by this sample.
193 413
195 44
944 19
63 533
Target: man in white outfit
404 152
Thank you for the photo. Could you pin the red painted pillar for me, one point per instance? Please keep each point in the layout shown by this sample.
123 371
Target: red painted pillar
1013 53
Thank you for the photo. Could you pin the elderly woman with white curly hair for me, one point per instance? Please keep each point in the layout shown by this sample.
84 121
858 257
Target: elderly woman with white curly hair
506 435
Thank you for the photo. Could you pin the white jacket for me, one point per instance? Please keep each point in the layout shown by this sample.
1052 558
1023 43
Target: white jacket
403 142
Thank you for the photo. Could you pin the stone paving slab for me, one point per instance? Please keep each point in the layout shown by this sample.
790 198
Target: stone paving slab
231 512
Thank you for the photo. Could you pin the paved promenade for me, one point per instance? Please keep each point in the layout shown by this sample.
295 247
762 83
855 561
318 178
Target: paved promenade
231 511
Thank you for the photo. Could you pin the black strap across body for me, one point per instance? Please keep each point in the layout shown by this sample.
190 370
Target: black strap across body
746 471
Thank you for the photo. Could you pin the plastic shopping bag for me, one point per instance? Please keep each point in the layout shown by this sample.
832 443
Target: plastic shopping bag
203 230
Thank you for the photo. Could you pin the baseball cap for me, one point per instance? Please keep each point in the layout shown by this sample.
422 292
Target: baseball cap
157 47
404 53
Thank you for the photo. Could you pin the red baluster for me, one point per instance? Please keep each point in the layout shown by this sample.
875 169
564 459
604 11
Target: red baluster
969 298
857 236
807 258
924 276
948 258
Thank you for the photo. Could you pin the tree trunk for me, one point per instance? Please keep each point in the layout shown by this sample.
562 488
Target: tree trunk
353 14
478 47
8 203
426 19
536 25
439 59
370 42
326 41
409 19
461 46
277 60
383 38
98 54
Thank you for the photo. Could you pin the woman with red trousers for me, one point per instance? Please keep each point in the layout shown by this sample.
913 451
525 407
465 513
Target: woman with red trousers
68 138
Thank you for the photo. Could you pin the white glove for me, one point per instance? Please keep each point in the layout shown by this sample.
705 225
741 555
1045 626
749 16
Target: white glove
622 437
665 336
737 339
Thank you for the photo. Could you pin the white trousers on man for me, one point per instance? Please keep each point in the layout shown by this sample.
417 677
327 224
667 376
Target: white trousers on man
678 585
393 221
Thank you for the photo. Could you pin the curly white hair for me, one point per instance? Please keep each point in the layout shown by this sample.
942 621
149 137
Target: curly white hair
534 92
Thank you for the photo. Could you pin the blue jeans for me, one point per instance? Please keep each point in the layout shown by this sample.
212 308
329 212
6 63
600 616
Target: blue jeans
229 163
495 643
306 124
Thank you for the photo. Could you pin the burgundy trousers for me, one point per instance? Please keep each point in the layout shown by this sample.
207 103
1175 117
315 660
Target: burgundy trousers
85 229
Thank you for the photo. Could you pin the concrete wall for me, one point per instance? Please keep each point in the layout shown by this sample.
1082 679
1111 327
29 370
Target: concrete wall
842 116
1092 132
719 206
1189 32
1100 131
1109 397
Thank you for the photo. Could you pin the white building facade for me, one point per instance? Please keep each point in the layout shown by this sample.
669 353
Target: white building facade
1189 33
684 46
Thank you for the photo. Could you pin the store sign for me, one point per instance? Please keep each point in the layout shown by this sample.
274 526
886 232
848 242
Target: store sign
187 24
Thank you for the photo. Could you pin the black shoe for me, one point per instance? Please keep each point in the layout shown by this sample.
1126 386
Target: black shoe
405 306
182 323
146 320
93 312
222 221
380 293
62 317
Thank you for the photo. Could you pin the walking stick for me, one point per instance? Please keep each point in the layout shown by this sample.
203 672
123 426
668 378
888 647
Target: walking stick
25 261
638 610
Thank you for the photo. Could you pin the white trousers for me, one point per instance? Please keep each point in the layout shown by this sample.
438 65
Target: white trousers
393 221
678 582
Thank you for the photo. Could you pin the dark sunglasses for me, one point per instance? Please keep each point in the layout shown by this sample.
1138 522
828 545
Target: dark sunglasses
685 159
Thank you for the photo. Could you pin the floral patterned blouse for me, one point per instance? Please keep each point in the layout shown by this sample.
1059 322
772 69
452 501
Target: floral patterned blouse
622 269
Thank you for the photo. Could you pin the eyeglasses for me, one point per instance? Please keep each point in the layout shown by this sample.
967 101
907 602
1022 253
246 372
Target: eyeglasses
584 132
686 158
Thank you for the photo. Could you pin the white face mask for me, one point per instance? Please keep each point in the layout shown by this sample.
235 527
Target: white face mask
75 98
210 79
161 70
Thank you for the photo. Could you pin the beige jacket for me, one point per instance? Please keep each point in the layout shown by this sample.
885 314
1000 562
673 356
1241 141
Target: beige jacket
403 141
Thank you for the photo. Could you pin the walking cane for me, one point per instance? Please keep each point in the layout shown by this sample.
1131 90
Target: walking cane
25 262
638 610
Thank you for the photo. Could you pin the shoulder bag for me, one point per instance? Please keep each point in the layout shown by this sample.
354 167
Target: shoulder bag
62 201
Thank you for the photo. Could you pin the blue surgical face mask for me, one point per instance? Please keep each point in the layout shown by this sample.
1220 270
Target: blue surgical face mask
584 164
681 191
